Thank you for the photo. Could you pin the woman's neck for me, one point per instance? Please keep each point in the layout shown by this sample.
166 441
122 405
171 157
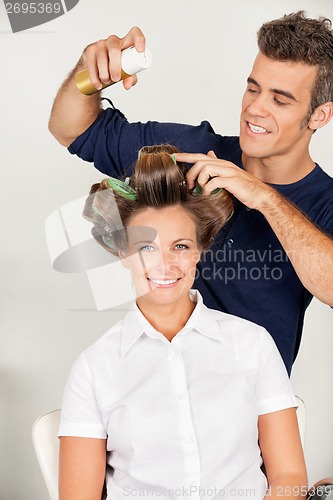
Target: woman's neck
167 319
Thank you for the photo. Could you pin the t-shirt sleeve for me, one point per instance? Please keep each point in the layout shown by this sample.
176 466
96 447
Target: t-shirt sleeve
326 219
80 415
112 143
273 387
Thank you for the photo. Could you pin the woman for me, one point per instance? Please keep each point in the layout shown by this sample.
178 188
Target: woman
172 400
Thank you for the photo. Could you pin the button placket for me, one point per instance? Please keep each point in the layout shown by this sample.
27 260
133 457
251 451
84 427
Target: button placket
186 428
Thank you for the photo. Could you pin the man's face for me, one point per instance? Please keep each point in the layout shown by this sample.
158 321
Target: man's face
274 106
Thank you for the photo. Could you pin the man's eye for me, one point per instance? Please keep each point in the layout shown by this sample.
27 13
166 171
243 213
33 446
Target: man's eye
252 91
280 103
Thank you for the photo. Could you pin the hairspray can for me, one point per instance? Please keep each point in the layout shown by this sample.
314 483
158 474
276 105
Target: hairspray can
132 62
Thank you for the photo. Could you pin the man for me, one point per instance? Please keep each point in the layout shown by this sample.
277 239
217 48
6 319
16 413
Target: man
276 252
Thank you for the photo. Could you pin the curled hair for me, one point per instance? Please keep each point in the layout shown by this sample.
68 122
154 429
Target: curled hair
158 183
297 38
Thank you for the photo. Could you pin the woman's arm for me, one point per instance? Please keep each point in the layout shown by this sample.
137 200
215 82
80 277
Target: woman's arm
282 453
82 463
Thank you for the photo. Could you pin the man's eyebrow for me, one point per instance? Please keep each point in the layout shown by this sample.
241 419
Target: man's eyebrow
289 95
285 93
252 80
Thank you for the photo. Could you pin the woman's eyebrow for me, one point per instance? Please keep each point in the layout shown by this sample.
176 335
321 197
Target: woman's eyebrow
143 241
152 241
183 239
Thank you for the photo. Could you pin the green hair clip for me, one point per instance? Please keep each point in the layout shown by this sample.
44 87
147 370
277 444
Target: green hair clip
173 156
122 188
198 190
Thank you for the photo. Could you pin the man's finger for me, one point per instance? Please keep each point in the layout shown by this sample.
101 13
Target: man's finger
134 37
190 157
115 62
211 154
130 82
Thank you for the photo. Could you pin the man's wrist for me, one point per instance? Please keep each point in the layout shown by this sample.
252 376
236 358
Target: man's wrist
269 201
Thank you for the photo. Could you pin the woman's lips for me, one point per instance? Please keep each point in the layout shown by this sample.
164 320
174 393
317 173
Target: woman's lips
163 283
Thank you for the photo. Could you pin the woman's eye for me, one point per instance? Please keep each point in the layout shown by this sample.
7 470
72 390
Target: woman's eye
147 248
181 246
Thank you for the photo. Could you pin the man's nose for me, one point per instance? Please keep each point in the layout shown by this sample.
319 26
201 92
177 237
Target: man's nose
259 106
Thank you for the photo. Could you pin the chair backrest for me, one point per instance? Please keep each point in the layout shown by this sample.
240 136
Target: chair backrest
301 417
46 444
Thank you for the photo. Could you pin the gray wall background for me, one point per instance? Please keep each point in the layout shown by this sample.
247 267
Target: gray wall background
203 52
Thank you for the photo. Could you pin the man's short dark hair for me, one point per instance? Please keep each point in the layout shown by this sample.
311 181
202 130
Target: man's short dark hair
295 37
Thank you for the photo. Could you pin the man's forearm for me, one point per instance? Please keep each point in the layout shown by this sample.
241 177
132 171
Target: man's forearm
73 112
308 248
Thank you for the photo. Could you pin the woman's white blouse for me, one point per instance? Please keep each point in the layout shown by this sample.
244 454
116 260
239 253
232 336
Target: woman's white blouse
180 417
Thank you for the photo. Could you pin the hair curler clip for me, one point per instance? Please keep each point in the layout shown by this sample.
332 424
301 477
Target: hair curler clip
198 190
173 156
122 188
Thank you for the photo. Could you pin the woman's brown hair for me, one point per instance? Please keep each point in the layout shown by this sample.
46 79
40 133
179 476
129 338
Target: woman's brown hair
158 181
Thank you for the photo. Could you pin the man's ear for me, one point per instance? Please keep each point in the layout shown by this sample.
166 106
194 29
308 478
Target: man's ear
321 116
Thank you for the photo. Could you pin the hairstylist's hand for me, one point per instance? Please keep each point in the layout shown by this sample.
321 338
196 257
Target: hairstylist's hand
212 173
102 58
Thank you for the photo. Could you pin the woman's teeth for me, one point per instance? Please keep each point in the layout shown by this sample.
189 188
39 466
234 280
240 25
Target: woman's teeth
162 282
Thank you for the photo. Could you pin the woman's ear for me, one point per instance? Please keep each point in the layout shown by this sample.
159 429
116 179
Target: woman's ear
321 116
123 256
199 254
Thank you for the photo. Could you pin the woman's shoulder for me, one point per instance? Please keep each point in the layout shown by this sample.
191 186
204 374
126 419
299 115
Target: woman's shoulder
236 322
108 342
241 330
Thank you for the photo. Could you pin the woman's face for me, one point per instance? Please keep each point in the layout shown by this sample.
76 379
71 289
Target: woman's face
162 254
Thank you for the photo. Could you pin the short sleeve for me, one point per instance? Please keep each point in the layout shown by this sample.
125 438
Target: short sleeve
112 143
80 415
327 220
273 387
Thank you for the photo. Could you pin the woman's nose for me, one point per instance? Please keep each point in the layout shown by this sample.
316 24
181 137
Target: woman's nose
166 262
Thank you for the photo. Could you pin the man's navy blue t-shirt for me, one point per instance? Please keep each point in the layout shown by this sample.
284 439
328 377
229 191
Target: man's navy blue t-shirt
246 272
